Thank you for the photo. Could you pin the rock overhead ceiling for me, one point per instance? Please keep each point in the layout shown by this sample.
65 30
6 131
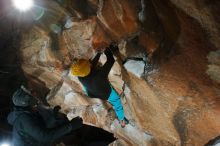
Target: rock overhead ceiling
175 101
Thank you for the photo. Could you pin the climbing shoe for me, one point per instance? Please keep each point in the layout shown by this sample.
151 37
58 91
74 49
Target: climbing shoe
124 122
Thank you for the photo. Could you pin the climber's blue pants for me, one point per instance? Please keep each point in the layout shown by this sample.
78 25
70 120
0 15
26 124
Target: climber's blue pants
114 100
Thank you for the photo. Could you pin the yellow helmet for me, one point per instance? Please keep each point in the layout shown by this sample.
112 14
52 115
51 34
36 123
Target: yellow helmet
81 68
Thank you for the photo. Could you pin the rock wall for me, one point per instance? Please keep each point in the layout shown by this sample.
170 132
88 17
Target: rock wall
174 101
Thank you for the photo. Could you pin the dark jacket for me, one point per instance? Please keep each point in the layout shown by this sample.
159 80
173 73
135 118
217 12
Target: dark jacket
29 129
96 83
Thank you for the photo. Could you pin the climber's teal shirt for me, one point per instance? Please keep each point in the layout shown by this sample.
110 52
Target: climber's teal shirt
97 85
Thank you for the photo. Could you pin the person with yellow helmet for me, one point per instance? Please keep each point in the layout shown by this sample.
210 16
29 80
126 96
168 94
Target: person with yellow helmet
95 81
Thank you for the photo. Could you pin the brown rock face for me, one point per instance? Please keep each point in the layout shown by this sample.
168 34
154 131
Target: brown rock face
174 102
118 17
214 68
205 13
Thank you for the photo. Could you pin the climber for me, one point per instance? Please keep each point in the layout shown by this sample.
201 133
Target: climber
95 81
29 128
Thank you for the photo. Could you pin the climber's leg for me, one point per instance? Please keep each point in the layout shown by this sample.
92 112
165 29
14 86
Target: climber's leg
115 101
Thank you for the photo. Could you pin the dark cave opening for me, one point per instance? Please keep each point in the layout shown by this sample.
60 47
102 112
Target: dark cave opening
88 136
